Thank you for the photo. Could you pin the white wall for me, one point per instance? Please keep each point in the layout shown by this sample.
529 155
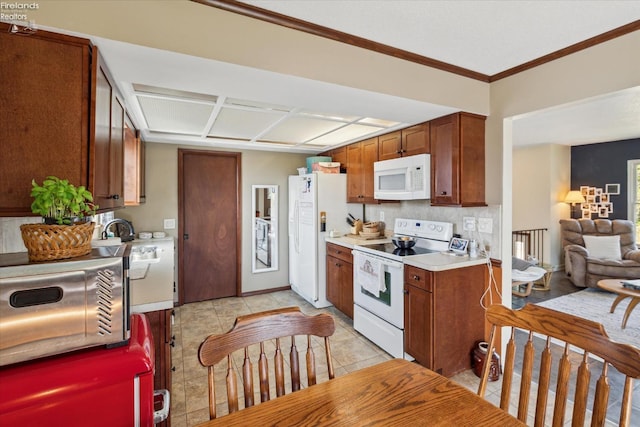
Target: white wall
258 167
541 178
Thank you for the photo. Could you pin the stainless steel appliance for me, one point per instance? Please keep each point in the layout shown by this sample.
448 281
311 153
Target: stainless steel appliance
57 307
92 387
404 178
317 204
378 280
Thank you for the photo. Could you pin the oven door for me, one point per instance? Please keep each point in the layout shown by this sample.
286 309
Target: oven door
386 302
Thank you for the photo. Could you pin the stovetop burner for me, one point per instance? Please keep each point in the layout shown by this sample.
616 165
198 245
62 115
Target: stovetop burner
431 236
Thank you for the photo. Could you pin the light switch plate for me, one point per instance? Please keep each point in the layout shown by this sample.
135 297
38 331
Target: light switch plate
169 224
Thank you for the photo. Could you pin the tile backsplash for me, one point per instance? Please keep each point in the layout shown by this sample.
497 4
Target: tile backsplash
10 237
419 209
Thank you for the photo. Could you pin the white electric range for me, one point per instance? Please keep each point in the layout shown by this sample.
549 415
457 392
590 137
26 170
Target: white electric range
378 280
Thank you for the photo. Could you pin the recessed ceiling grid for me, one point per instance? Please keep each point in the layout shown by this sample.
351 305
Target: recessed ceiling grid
220 118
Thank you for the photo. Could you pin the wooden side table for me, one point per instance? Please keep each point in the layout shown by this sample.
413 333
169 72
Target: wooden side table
615 286
546 279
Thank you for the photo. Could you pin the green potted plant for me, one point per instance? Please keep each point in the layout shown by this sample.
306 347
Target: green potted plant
60 202
65 233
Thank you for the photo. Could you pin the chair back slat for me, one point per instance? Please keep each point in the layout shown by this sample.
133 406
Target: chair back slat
279 325
278 362
601 400
311 363
527 375
582 392
509 362
232 387
544 380
263 372
578 336
247 379
562 388
295 366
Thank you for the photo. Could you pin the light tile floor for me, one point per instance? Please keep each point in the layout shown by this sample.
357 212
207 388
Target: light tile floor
194 322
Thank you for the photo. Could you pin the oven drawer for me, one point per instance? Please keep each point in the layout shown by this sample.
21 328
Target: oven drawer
418 277
339 252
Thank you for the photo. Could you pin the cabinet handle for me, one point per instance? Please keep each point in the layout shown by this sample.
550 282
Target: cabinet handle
444 193
416 278
172 343
405 291
338 264
173 369
113 196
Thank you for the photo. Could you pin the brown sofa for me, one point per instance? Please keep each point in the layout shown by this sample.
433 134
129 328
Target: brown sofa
585 270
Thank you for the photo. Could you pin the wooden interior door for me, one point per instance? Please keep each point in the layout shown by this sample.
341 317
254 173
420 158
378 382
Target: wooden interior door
209 225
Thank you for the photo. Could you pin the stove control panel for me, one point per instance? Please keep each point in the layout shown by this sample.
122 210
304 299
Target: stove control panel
436 230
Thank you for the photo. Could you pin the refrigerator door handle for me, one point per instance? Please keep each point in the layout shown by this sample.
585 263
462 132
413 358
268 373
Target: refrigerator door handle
296 228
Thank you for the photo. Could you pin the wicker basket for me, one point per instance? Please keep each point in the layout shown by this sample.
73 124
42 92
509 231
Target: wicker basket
51 242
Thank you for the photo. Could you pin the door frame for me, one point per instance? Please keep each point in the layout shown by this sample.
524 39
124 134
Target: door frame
181 153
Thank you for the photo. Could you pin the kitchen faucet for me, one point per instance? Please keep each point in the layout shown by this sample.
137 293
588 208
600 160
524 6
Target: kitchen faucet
131 235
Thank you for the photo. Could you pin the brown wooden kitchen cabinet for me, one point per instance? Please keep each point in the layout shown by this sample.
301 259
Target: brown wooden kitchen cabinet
54 108
403 143
134 166
457 160
340 278
443 316
107 141
45 107
163 341
360 158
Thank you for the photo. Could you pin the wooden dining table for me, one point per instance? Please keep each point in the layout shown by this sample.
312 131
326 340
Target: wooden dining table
395 392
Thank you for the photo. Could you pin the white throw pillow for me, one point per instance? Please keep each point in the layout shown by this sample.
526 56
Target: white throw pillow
603 247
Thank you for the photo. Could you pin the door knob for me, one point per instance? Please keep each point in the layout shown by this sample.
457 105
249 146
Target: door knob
185 236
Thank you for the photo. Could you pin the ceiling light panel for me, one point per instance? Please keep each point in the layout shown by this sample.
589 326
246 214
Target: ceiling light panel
244 124
175 115
345 134
300 129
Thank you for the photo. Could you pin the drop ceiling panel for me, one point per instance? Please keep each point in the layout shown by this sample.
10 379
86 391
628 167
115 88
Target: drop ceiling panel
300 129
347 133
243 124
174 115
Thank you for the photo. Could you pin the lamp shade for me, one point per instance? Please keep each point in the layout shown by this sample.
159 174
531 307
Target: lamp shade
574 197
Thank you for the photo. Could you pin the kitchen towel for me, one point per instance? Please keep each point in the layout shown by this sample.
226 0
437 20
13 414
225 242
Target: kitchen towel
370 274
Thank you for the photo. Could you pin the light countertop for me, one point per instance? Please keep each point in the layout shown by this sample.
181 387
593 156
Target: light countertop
442 261
431 262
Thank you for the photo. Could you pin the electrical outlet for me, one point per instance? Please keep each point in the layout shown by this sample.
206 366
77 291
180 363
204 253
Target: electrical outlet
469 223
381 216
169 224
485 225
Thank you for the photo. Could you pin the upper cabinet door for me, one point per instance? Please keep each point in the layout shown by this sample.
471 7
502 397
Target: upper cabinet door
108 142
416 140
390 146
457 160
445 161
45 108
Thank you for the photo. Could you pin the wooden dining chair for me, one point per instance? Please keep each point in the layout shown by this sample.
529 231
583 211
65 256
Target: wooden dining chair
579 339
255 331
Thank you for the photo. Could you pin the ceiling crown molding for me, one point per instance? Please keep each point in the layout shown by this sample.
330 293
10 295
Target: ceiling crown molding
328 33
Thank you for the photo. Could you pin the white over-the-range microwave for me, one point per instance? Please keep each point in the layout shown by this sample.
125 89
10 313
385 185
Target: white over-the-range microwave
404 178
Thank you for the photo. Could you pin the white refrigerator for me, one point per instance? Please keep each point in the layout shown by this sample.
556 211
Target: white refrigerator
309 196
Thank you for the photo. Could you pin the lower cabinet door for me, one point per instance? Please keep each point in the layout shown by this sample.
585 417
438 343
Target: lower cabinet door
418 324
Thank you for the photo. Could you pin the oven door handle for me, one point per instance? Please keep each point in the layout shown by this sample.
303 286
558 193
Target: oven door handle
386 261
